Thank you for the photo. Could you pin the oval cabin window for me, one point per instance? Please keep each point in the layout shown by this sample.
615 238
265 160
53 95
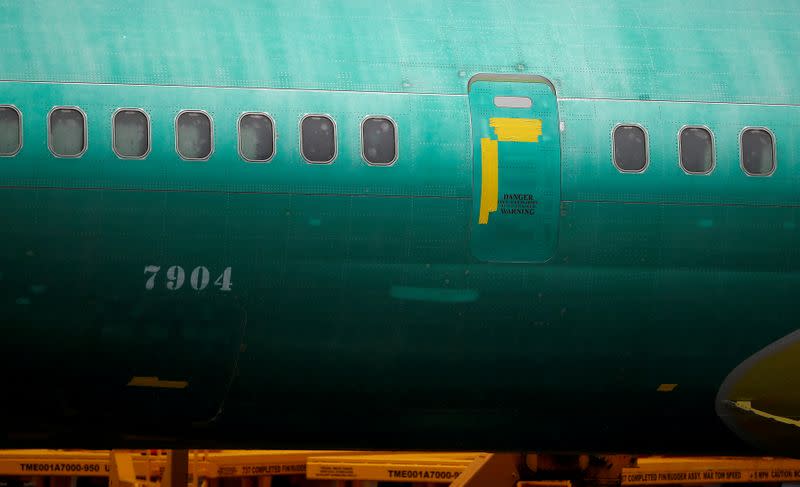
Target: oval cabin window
318 139
758 152
67 132
131 133
10 131
697 150
630 148
194 135
379 141
256 137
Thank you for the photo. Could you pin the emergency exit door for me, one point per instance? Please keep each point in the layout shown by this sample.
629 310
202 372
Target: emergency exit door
516 168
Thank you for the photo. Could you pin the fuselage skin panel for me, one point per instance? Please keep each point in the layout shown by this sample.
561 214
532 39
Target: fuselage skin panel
286 304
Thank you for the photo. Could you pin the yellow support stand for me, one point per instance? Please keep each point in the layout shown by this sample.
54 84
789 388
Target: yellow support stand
123 473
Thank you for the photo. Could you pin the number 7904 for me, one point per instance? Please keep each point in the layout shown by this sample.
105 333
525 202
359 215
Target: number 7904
199 278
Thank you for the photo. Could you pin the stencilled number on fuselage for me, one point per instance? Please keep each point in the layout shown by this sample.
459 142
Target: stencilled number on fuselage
199 278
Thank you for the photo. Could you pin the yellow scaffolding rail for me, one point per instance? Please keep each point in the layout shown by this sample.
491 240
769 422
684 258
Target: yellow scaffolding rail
461 469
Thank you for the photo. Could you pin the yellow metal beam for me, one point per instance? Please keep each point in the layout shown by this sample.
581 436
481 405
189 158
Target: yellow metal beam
440 468
491 470
249 463
229 463
714 470
544 483
394 467
55 463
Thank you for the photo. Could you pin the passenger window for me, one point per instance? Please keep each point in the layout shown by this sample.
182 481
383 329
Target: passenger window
758 152
696 150
379 141
194 135
256 137
630 148
10 131
131 133
67 132
318 139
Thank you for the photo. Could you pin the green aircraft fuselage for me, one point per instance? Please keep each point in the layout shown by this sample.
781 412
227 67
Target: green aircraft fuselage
501 285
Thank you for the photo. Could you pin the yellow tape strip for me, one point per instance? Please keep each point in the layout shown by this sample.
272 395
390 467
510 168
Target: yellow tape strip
488 180
156 382
507 130
517 129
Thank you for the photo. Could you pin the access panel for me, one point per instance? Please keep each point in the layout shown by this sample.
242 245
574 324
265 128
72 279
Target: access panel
517 169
